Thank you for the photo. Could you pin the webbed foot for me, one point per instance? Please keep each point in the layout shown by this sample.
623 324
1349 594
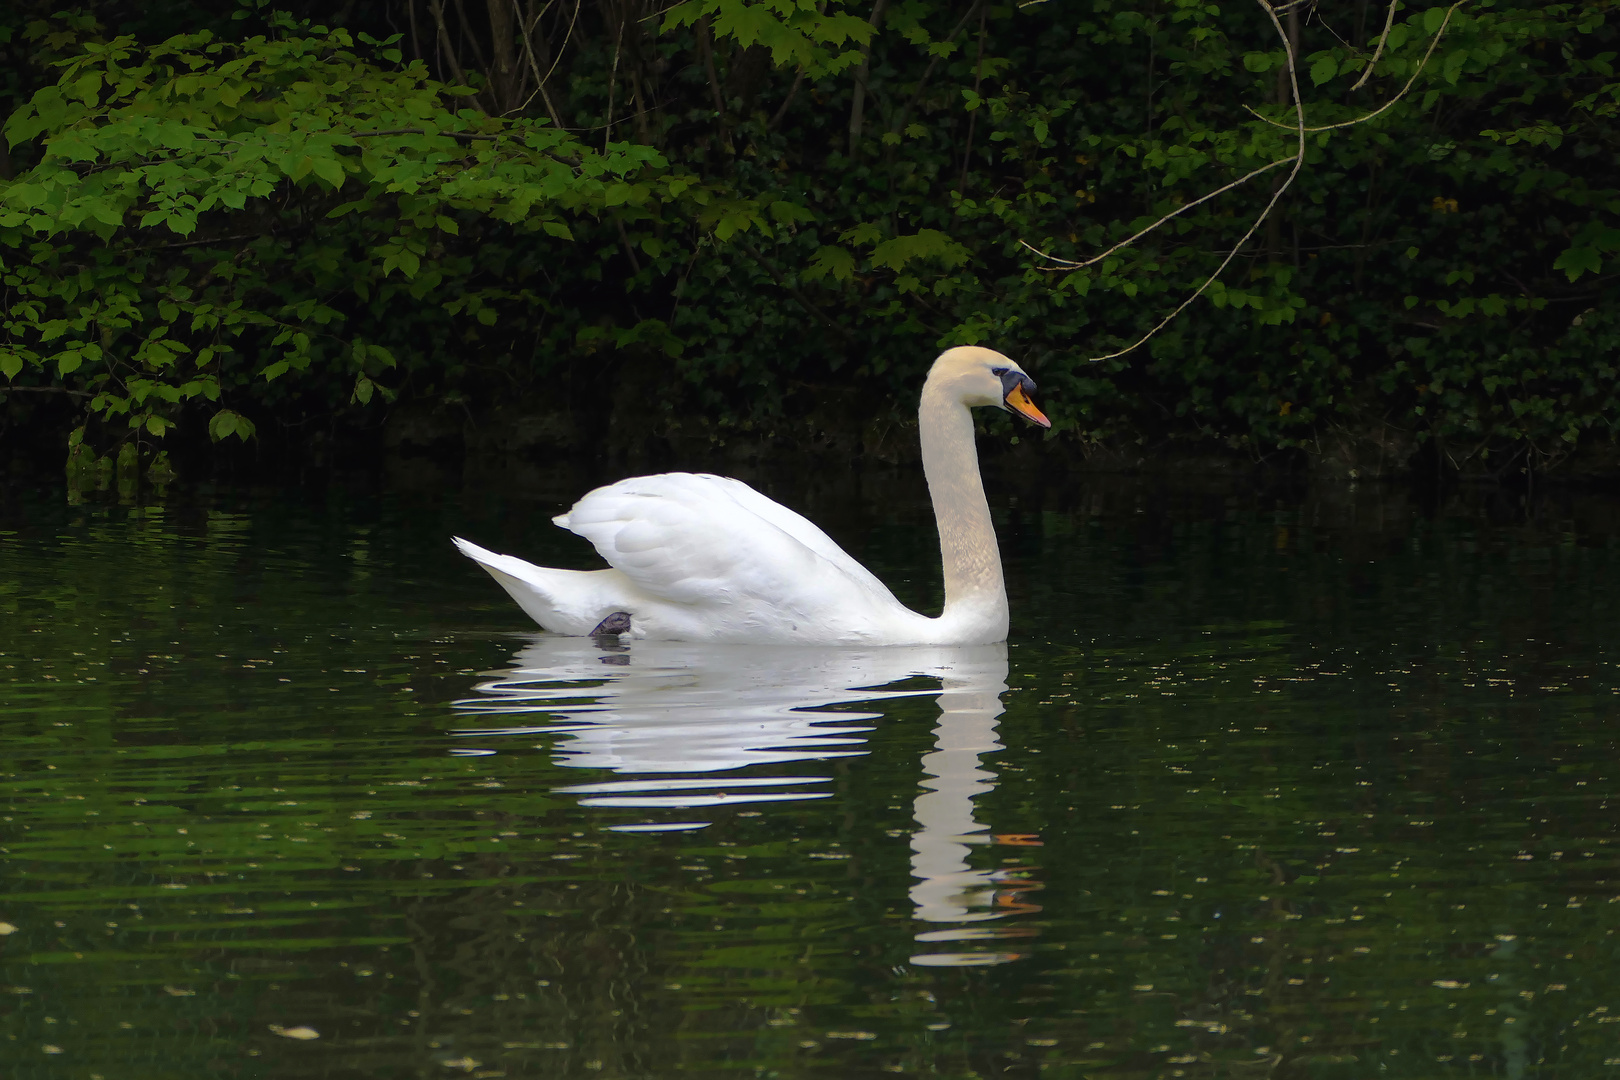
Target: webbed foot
614 625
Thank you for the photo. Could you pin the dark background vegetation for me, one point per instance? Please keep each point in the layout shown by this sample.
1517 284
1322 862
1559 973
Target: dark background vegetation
761 223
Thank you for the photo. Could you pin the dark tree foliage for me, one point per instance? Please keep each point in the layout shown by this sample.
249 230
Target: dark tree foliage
222 220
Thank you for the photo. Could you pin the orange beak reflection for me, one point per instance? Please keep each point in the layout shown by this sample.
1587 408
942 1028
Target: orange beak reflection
1019 402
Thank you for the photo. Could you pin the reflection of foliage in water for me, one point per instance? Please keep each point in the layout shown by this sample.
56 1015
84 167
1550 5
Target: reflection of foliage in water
1251 749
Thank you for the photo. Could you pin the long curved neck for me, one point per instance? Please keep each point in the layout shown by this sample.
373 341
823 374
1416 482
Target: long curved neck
974 589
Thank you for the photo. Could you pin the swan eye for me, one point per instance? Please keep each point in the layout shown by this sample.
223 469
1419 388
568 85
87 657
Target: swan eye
998 372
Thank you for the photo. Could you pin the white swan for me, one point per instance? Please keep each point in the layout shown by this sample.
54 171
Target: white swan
706 558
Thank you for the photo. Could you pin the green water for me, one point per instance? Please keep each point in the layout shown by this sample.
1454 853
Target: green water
1263 785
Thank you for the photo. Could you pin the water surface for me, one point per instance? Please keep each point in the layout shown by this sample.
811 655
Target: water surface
1262 785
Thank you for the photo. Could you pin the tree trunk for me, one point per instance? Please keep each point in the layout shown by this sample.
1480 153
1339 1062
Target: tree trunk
504 74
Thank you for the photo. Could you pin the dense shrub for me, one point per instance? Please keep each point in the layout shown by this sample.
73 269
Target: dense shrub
270 220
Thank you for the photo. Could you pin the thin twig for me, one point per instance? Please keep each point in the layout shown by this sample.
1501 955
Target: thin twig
46 391
422 131
973 117
792 93
1070 264
534 65
798 80
629 249
662 11
1299 161
356 135
571 162
705 41
567 37
1389 21
613 82
922 83
472 39
197 243
436 8
1386 105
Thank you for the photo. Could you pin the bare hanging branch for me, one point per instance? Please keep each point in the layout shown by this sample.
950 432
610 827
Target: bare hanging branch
1298 159
1070 264
1389 21
567 37
1438 34
528 30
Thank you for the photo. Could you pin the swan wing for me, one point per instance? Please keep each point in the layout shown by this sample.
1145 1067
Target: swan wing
800 528
693 538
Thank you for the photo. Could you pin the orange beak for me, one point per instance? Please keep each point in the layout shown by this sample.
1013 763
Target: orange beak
1019 402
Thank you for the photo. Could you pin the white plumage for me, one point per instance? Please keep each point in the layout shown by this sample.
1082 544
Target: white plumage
696 557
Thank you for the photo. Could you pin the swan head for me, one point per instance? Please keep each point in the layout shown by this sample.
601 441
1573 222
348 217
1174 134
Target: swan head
978 377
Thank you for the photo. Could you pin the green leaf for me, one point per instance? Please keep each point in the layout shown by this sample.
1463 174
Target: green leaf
328 169
829 261
1324 68
788 212
226 423
925 244
557 229
1576 261
867 232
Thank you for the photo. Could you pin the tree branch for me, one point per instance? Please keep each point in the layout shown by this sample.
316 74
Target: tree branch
1070 264
922 83
1389 21
973 117
1438 34
792 92
858 106
526 31
44 390
436 9
705 42
1299 160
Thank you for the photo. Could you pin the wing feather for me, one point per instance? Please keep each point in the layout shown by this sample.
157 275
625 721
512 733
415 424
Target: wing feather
800 528
691 537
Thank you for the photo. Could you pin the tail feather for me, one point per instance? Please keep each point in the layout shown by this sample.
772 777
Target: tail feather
562 601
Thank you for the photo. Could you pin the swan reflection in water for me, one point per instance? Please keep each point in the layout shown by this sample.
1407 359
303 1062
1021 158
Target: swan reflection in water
670 716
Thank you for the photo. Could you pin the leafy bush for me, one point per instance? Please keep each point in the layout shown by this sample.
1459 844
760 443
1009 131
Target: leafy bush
778 198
